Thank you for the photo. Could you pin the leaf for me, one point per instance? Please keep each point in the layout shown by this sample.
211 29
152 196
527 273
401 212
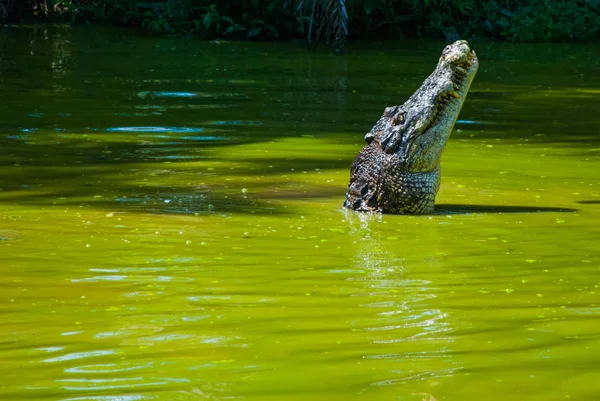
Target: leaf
229 29
593 4
255 31
525 10
273 30
371 5
208 19
165 25
272 6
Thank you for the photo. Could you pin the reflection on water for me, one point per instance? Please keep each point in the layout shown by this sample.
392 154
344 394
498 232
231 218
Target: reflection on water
154 129
171 225
404 312
165 94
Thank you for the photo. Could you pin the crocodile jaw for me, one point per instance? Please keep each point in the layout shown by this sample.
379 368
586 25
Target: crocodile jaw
452 77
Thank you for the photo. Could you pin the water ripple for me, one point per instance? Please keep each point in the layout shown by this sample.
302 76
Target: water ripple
415 377
235 122
50 349
111 398
106 368
154 129
146 94
80 355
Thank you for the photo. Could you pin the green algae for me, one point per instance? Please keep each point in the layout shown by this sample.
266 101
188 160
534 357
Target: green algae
140 264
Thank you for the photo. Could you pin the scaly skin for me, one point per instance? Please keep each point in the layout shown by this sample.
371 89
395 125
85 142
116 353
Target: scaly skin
398 171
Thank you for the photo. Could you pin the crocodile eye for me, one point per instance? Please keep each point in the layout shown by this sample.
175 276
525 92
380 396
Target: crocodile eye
398 118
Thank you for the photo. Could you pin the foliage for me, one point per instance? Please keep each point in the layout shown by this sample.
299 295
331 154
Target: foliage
542 20
332 20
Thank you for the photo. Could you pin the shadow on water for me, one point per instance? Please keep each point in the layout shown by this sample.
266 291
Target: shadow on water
449 208
159 178
589 202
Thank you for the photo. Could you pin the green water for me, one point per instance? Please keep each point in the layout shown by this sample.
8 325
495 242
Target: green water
171 225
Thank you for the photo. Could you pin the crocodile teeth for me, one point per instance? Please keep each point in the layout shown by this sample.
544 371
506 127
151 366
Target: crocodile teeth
459 68
456 87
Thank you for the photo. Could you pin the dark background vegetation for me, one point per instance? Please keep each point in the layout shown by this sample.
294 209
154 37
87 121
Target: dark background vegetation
334 21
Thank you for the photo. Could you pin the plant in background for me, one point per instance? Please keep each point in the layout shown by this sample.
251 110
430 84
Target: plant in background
331 18
333 21
214 24
155 21
378 18
436 18
544 20
3 12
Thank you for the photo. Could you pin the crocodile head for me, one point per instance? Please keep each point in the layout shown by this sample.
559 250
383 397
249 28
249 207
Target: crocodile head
398 171
417 131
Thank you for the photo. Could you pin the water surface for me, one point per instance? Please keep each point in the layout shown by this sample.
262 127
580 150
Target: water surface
171 225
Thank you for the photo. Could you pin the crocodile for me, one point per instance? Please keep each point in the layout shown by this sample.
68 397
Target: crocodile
398 171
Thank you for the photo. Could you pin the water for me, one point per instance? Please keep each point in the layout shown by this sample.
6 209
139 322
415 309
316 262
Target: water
171 225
